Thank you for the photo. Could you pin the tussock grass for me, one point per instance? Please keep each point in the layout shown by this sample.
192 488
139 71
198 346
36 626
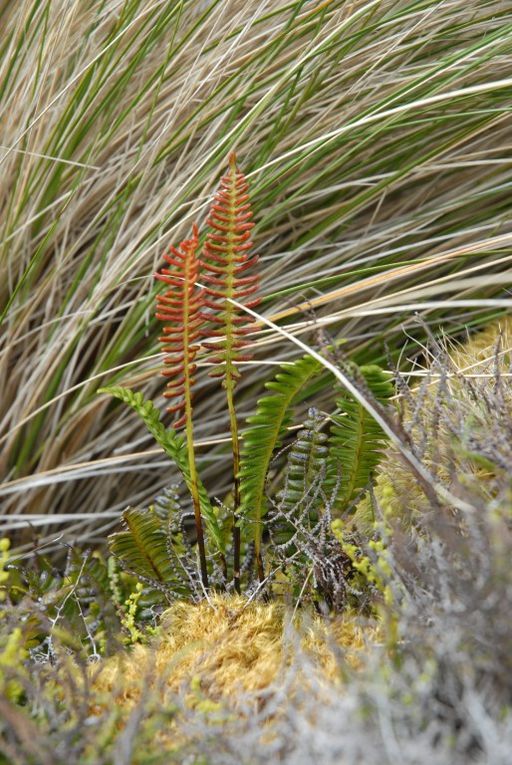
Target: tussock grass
376 136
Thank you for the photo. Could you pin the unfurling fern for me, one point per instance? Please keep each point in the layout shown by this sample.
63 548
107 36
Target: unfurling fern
226 265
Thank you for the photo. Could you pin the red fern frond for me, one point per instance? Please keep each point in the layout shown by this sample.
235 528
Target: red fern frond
180 308
226 259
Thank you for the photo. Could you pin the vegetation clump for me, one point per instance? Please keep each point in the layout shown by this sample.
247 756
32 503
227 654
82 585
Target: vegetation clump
304 558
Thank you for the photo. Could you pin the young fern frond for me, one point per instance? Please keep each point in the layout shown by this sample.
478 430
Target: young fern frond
226 264
153 551
180 308
356 440
263 436
176 448
299 501
306 464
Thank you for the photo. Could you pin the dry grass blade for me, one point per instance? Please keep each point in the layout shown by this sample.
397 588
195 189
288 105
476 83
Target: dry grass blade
376 134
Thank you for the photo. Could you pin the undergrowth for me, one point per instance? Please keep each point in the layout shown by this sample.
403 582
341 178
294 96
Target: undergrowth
434 686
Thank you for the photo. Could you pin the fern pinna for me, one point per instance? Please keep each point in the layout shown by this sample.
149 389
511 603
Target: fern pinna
180 309
226 263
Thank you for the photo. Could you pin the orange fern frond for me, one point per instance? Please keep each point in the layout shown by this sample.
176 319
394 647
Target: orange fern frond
180 308
226 261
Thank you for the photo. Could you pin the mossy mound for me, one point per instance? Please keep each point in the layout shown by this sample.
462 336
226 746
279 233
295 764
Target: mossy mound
226 649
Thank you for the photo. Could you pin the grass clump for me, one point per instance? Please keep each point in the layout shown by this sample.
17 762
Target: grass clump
373 138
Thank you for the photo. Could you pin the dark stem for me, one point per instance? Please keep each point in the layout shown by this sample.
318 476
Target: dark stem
235 445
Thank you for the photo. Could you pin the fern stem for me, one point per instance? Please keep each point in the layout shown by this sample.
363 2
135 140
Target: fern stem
189 430
194 487
235 445
225 266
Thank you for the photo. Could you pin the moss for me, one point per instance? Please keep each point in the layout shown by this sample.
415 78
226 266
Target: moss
221 649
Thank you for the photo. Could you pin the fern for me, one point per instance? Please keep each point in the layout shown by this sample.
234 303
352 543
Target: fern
225 267
306 464
226 263
142 548
299 501
356 440
263 436
151 551
175 447
167 504
179 307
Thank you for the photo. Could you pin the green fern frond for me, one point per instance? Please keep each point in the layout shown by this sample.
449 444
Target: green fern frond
306 464
142 548
153 551
299 501
356 440
175 447
263 436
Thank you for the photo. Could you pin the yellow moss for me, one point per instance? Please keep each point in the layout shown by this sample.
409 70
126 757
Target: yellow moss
4 560
12 656
218 649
